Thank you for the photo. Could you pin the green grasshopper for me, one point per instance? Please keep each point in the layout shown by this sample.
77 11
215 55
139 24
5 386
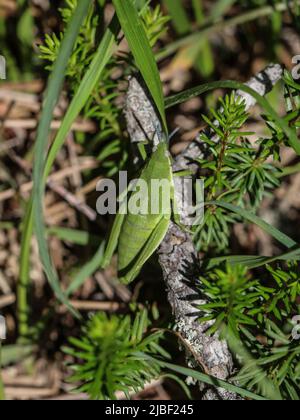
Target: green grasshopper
139 235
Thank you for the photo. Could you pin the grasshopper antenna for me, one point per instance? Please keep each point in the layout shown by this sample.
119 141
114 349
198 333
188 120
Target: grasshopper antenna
173 134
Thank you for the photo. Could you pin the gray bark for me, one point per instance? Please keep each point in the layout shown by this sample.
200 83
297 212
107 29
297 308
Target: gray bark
177 255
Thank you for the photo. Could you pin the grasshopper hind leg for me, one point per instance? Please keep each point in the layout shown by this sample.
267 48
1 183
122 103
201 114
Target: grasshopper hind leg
150 247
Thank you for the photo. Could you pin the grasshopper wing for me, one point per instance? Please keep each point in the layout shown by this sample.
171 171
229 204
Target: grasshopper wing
141 234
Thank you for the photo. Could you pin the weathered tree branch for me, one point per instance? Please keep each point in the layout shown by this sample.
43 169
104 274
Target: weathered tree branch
177 255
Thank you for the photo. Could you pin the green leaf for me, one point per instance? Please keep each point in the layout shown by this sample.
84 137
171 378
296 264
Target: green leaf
180 383
77 237
103 54
24 271
88 84
247 215
52 95
228 84
198 11
142 52
288 256
179 17
209 380
25 28
254 261
87 270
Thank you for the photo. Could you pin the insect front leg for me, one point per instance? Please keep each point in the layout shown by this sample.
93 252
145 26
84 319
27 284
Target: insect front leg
113 240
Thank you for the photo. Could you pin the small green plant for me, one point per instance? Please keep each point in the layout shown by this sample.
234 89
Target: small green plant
233 297
259 313
276 360
21 62
237 170
237 299
108 356
84 48
284 290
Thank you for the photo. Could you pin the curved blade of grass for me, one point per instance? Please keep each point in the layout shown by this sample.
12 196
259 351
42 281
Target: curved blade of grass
22 289
247 215
202 377
103 54
53 91
142 52
91 79
245 260
254 261
87 270
74 236
181 383
289 170
198 11
228 84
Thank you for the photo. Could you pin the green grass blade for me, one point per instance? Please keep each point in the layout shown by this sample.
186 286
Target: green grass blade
209 380
247 215
103 54
179 17
204 62
23 284
53 91
91 79
87 270
287 256
254 261
198 11
204 59
140 4
227 84
142 52
290 170
74 236
246 260
181 383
